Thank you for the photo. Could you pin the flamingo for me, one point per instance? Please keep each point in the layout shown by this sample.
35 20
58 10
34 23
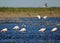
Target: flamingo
4 30
54 29
23 30
42 30
16 28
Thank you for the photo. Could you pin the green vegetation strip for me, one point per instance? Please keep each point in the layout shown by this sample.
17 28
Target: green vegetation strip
6 9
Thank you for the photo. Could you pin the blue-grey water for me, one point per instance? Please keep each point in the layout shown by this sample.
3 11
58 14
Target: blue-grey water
32 35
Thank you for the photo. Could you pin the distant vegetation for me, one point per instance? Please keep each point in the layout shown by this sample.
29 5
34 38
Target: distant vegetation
4 9
30 11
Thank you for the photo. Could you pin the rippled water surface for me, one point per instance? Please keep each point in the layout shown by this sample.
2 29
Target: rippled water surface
31 35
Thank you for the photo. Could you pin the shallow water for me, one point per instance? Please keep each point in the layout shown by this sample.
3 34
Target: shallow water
32 35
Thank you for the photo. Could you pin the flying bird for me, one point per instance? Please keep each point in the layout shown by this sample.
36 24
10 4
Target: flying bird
24 25
38 16
45 17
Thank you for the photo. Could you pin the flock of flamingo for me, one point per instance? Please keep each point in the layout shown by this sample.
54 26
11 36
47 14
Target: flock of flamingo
24 29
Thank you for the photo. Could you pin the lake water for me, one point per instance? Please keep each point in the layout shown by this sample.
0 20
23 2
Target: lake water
31 35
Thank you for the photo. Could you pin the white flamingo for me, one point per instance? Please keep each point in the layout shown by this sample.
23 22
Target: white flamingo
45 17
4 30
54 29
23 30
38 16
42 30
16 28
